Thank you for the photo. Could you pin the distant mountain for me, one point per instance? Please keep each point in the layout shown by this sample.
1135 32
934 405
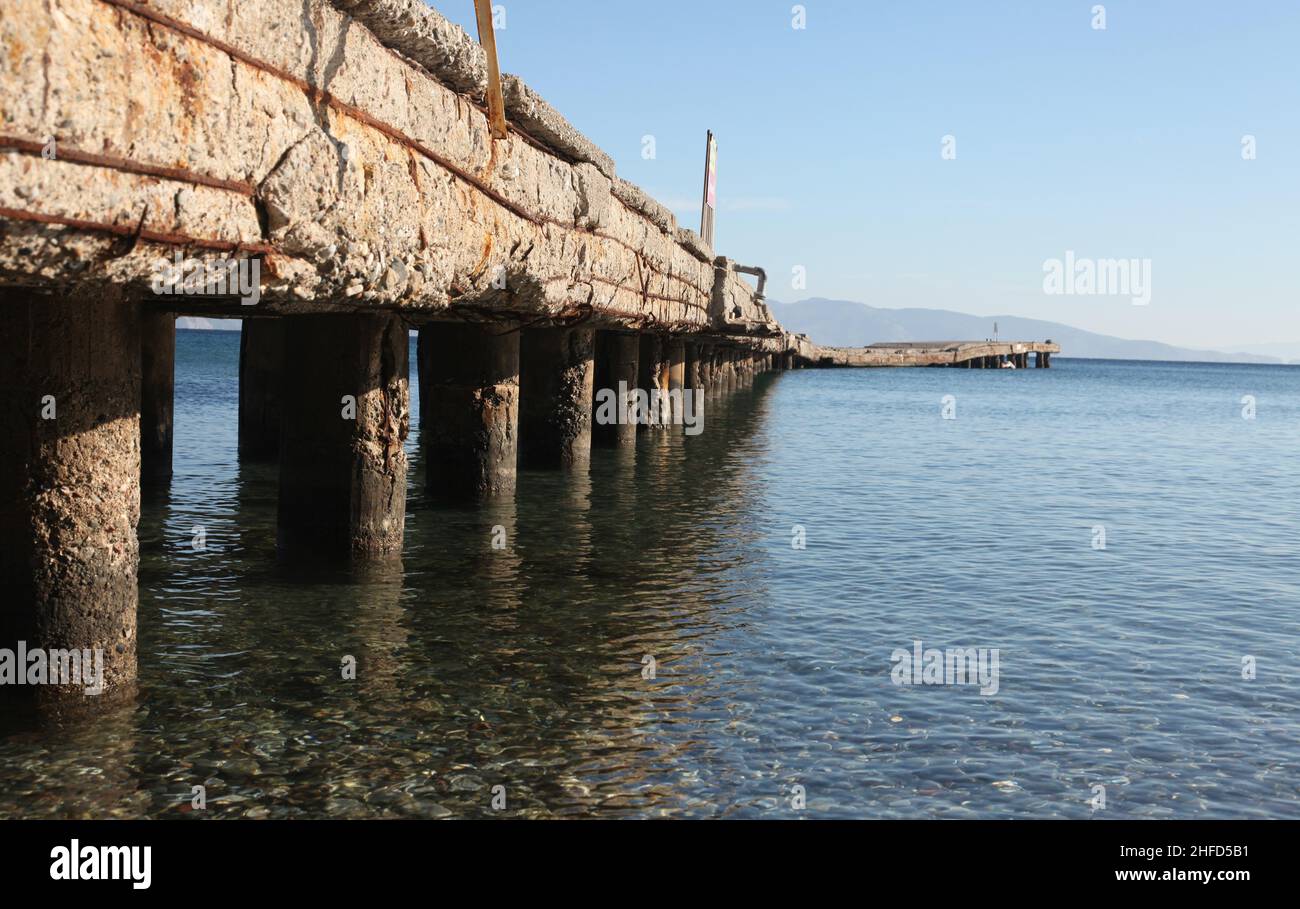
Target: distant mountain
841 323
1287 350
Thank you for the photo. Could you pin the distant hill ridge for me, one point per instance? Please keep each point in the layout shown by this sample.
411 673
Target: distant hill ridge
843 323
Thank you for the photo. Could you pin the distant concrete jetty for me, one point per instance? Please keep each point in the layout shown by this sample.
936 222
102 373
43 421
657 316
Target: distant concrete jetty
958 354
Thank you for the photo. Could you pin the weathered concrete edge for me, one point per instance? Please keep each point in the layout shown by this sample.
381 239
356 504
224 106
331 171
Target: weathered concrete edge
447 51
454 58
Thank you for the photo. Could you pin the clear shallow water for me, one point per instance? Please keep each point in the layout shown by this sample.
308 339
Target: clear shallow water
522 668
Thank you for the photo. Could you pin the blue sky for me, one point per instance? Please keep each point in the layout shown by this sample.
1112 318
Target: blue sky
1122 143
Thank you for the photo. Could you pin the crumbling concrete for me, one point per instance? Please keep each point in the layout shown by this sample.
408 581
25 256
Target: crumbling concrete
353 160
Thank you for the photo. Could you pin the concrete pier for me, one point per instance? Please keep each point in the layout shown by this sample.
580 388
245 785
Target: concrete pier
261 365
70 481
346 415
368 214
158 379
469 383
617 358
962 354
557 374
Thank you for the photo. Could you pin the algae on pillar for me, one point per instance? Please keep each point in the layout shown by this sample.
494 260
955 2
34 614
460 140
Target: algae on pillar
70 482
469 389
346 415
555 397
157 388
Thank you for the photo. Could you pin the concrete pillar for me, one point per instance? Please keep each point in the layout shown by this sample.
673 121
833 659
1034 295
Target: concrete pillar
617 355
704 369
158 380
556 375
469 377
70 485
652 376
261 365
346 414
694 369
675 349
789 360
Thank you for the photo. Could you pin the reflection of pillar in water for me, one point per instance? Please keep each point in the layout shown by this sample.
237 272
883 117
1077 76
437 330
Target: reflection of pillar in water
498 559
381 630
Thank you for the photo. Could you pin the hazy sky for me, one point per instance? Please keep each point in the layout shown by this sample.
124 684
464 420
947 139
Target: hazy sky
1118 143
